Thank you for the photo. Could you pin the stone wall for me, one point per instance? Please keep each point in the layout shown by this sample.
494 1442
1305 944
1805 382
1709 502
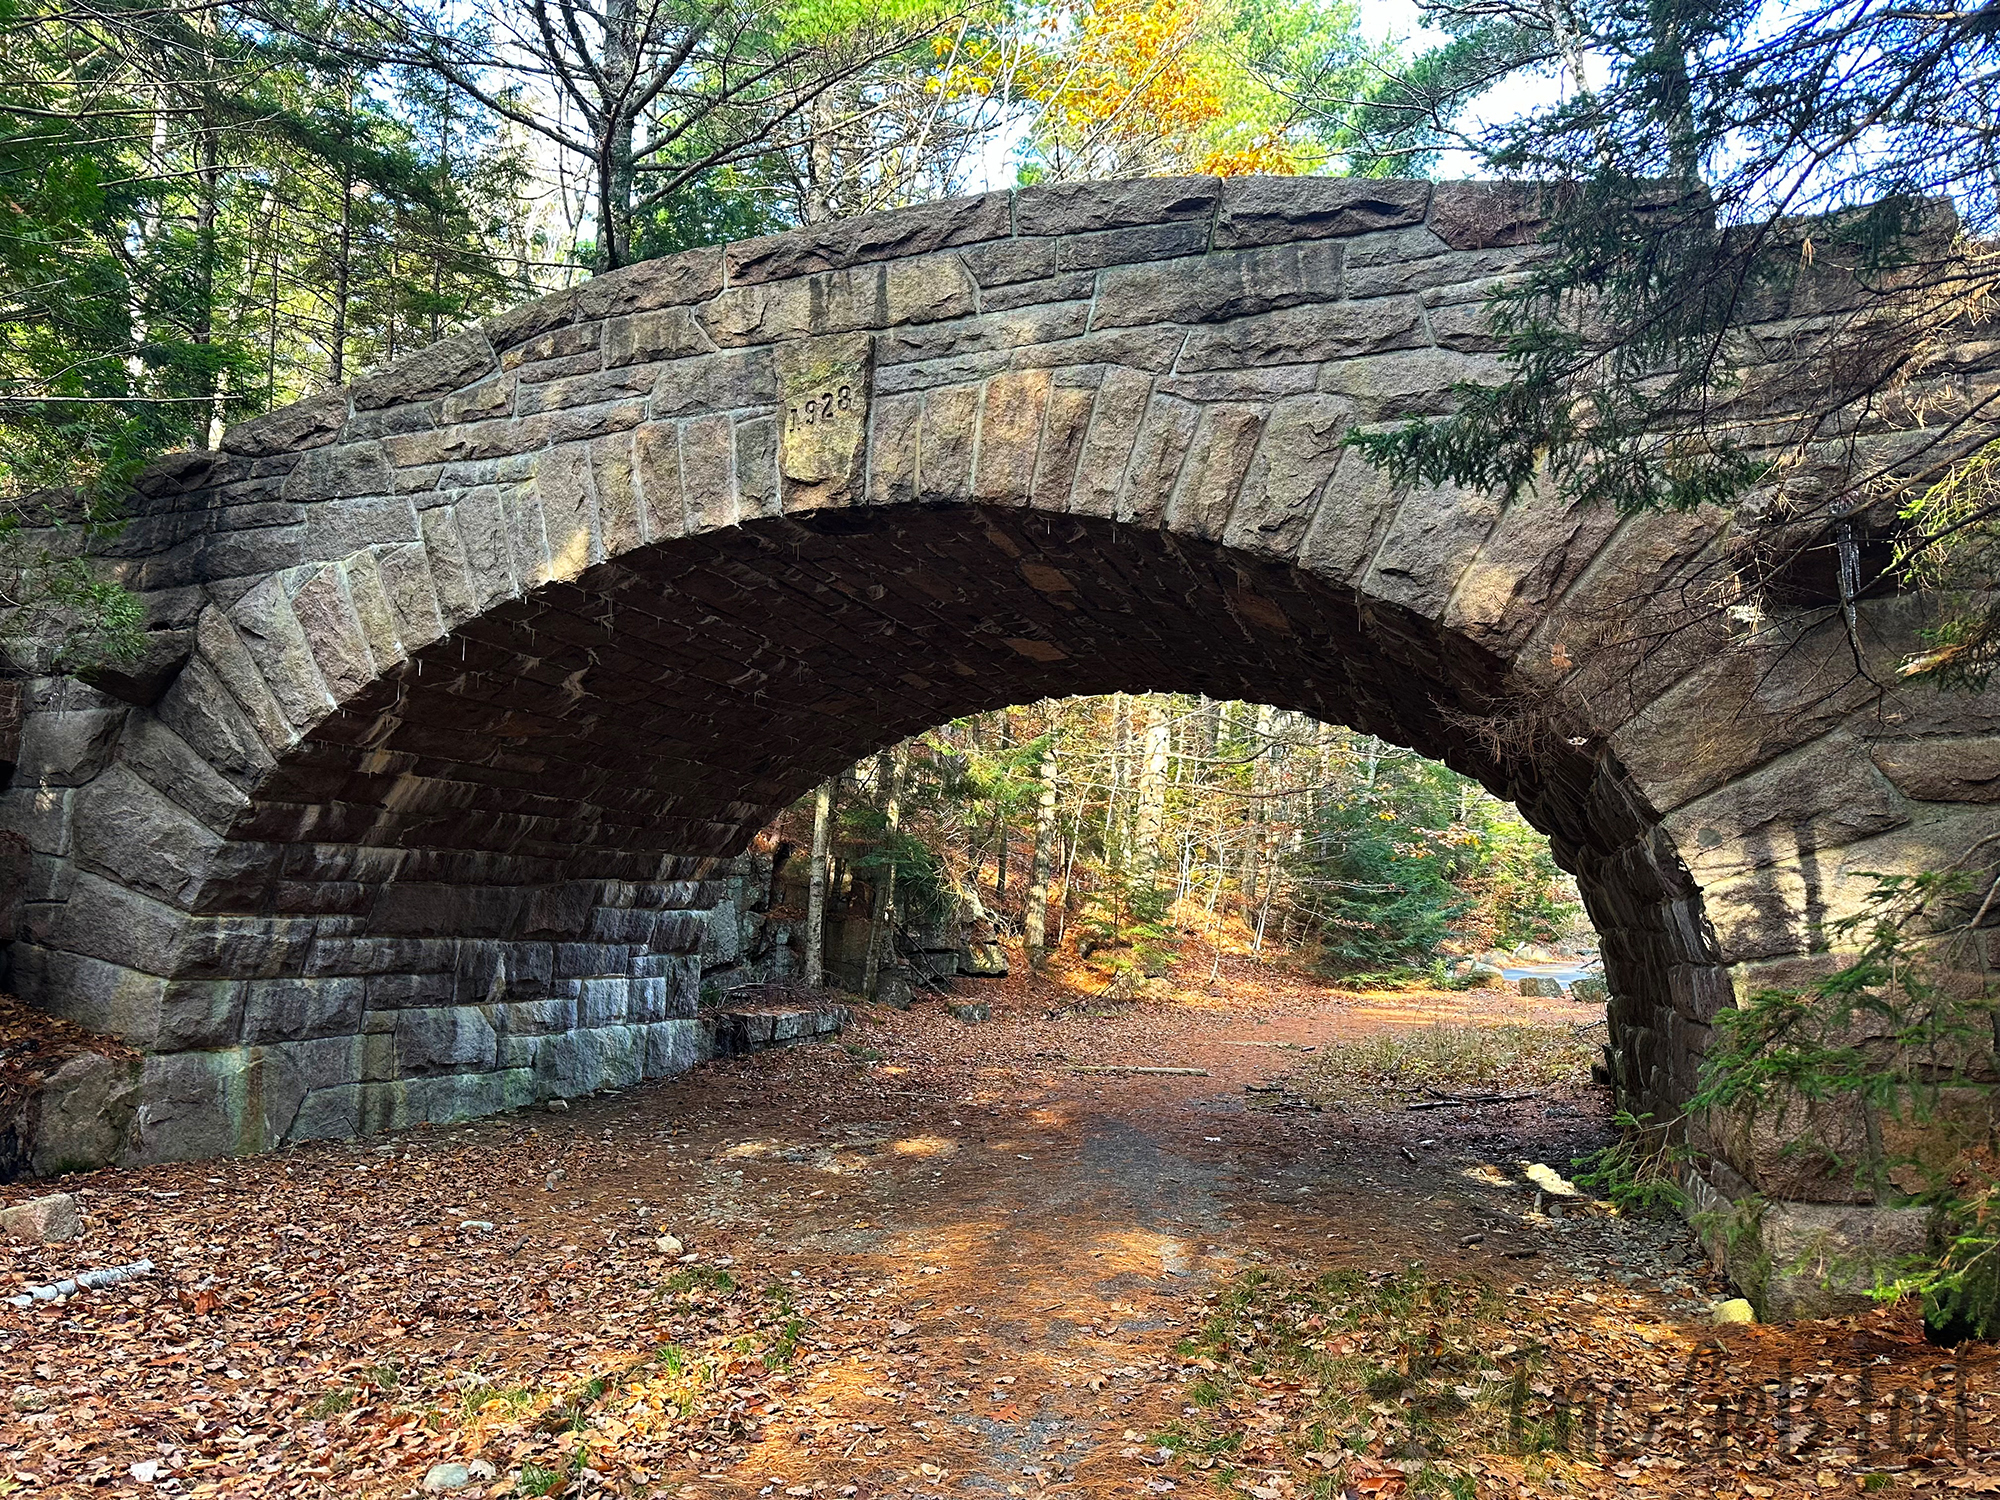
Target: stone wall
469 682
305 1058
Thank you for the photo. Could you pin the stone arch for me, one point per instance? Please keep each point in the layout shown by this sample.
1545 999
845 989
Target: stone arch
471 679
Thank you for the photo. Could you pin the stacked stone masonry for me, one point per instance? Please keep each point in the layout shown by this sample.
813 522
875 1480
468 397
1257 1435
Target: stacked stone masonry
471 683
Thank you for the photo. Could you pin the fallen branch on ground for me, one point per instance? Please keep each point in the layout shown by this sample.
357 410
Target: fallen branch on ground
1453 1101
84 1281
1134 1068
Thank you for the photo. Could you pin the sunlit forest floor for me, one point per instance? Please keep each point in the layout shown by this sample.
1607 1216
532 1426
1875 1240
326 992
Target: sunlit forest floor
938 1259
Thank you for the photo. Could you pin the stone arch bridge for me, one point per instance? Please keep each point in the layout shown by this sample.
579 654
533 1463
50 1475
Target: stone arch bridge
469 680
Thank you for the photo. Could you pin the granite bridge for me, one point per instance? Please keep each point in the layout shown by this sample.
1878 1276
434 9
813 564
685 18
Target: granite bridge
469 681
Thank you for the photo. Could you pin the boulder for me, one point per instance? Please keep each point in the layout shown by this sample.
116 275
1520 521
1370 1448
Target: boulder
81 1117
972 1011
1544 989
43 1221
893 990
1590 990
986 960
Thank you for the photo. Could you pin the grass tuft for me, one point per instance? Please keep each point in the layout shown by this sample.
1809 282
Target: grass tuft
1397 1066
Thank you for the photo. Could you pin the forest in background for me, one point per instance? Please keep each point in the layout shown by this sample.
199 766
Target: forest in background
1115 825
211 210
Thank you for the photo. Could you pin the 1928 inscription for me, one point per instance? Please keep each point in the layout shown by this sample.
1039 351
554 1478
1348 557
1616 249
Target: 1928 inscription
824 389
821 406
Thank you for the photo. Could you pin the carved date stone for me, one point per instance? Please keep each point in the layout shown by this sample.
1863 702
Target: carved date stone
823 390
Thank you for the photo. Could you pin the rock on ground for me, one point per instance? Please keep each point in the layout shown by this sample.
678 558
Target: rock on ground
45 1220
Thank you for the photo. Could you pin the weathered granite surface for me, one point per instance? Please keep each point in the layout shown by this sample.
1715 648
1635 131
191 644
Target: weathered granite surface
473 680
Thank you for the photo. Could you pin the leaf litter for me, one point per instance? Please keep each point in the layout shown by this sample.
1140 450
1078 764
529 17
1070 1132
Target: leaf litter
933 1260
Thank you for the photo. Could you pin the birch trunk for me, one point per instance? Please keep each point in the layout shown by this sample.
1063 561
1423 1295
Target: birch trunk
816 887
1034 923
1154 748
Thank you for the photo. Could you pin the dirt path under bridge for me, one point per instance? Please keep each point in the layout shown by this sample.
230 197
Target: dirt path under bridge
936 1260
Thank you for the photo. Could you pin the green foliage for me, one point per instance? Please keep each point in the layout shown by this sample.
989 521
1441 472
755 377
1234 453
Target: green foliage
1950 545
700 1279
1708 158
1885 1031
202 216
1121 88
1638 1171
333 1403
923 890
1373 855
787 1326
1893 1036
61 614
1517 892
1435 975
1418 854
1384 865
1401 122
725 204
510 1399
536 1479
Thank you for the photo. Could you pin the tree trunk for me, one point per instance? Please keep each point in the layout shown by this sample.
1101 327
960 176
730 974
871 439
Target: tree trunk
146 231
816 885
890 765
1034 923
1000 822
1256 815
1115 828
438 230
342 278
207 216
616 177
1154 747
818 205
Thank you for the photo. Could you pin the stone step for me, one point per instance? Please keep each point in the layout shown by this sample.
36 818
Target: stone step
758 1028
